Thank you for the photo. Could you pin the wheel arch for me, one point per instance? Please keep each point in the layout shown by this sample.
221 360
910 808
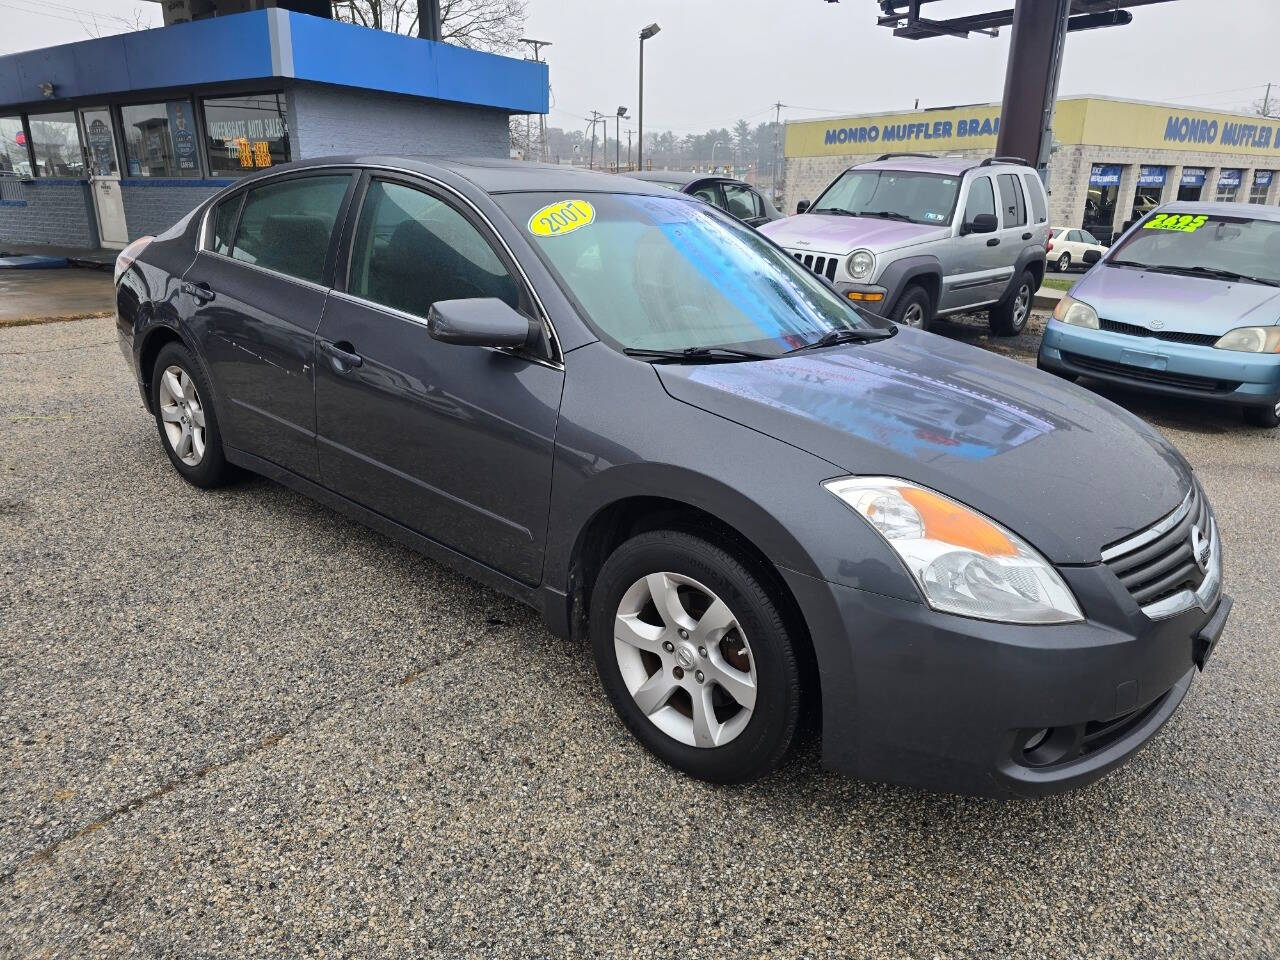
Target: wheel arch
920 271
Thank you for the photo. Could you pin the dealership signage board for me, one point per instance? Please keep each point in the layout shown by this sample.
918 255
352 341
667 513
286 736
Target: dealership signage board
1084 120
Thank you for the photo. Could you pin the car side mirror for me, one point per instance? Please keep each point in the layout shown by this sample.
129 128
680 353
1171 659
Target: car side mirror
981 223
481 322
1091 256
802 206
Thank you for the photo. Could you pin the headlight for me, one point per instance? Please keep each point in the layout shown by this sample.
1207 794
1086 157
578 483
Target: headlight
862 263
1251 340
962 562
1076 312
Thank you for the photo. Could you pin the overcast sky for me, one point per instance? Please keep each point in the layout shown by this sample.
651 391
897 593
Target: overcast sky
717 61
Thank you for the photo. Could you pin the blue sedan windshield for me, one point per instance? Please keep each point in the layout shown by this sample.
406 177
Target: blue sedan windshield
670 273
1200 243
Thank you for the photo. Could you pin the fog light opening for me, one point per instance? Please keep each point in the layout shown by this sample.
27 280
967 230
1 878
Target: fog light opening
1037 739
1048 745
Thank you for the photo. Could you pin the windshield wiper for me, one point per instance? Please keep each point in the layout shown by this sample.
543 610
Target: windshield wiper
846 336
1212 272
697 354
888 215
837 210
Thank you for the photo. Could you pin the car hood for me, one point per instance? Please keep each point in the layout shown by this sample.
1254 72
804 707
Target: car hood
1171 302
827 233
1065 469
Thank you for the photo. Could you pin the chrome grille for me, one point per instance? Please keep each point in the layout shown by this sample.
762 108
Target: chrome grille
1159 567
823 266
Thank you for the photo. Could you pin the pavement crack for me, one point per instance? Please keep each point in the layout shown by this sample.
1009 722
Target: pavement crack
47 852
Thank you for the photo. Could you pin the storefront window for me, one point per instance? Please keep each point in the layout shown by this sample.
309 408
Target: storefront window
1100 204
1192 184
160 140
14 160
55 138
1150 190
1228 185
246 133
1261 185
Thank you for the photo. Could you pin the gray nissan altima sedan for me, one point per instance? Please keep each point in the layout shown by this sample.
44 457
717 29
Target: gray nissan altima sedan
769 512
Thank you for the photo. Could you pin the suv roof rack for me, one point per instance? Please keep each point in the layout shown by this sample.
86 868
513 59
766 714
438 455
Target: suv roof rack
894 156
990 161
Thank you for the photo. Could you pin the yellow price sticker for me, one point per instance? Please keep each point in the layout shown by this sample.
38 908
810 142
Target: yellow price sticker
1182 222
561 217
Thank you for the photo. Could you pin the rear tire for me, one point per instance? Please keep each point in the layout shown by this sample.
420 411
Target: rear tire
1064 263
1265 417
1009 317
914 308
182 402
723 704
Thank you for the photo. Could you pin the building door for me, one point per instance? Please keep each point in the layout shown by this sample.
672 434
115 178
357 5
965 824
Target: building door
104 176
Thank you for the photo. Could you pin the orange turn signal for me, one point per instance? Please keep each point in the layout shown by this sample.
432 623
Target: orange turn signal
949 523
866 297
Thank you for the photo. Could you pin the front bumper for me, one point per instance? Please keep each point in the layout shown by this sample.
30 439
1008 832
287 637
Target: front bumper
1162 366
953 704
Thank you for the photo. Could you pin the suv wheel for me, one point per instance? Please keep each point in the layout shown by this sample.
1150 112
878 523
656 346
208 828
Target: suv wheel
183 406
1267 417
1064 262
1009 318
695 657
914 308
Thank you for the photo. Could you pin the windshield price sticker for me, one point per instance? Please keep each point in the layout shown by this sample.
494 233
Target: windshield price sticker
1184 222
561 217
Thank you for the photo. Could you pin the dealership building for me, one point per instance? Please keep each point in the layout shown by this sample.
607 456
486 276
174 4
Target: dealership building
1111 158
104 140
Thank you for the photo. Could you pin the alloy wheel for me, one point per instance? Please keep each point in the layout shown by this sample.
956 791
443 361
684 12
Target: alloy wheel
1021 306
1064 262
685 659
913 316
182 414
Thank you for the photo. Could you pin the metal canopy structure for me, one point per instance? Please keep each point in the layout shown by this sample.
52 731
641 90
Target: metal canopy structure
1040 28
906 20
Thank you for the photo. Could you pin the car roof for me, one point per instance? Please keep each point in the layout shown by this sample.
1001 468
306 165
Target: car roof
1253 211
491 175
682 177
924 163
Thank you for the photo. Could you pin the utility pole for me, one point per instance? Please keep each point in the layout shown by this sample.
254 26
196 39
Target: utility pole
628 150
542 118
1266 102
597 117
777 125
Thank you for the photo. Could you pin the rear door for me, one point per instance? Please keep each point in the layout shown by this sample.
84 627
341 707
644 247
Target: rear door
974 261
453 442
254 297
744 203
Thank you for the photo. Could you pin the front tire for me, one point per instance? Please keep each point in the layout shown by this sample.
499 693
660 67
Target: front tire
1009 318
182 402
1064 263
914 308
696 657
1265 417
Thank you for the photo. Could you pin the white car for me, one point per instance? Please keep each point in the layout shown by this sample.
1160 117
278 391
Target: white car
1067 247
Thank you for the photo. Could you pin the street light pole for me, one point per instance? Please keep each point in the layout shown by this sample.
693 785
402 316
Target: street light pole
714 144
647 33
617 139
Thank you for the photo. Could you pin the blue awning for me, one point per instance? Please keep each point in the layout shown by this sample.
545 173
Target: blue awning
267 44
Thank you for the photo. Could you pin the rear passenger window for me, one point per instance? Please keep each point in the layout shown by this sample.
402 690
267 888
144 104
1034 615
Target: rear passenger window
742 201
412 249
1015 208
286 225
982 199
709 194
1039 203
224 221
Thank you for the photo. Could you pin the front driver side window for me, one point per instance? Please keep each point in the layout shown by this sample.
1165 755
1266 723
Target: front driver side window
412 249
982 199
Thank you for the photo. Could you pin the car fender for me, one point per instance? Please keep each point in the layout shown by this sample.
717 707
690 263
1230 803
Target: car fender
895 278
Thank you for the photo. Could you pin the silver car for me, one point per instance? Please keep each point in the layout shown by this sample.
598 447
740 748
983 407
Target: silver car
913 236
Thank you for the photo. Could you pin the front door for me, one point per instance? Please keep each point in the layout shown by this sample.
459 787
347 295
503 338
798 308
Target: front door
974 264
104 176
453 442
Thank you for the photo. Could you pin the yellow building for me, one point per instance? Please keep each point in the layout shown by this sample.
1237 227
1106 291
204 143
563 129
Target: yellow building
1111 158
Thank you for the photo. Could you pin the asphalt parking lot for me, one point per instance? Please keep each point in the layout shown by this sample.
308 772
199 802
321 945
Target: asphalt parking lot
238 724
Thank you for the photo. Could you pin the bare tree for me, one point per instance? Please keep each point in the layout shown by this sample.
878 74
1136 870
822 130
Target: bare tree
493 25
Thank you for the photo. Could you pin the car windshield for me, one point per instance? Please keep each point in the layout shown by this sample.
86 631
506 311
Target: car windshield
917 197
1204 243
671 273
